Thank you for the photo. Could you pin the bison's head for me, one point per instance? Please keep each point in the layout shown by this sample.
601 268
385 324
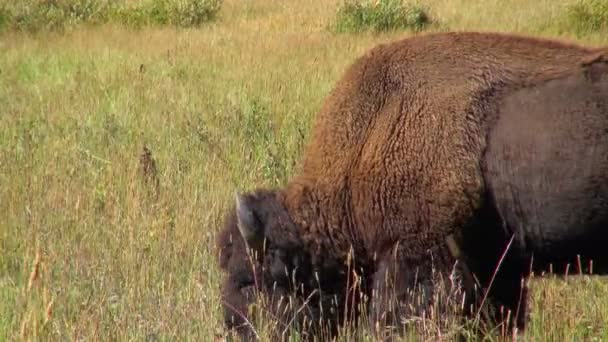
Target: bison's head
263 255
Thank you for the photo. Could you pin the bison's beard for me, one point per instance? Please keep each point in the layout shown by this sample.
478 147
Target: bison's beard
312 313
236 299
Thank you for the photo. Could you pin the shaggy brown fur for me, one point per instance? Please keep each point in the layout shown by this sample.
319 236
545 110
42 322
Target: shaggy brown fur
397 162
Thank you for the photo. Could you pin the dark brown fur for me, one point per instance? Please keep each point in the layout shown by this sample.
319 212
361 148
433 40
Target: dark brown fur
397 162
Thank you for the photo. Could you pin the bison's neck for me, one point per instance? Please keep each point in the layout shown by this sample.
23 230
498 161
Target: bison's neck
321 210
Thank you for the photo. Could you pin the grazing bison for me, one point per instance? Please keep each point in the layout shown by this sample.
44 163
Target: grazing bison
486 148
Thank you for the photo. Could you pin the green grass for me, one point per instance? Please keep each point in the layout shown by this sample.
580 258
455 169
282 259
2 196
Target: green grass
61 15
380 15
584 16
224 107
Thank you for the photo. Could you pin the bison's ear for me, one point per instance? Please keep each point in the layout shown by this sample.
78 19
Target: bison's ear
249 223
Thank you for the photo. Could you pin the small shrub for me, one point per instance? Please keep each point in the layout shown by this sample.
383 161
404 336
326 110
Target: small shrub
187 13
54 14
57 15
153 12
380 15
179 13
586 16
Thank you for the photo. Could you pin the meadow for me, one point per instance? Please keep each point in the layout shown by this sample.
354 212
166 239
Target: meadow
121 146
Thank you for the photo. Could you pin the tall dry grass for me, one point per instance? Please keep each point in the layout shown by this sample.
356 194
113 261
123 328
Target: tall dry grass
220 108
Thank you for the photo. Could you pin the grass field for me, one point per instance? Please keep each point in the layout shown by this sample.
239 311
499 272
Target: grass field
94 248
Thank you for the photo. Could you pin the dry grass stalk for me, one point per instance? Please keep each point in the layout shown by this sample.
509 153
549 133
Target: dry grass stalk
23 329
148 171
49 312
34 274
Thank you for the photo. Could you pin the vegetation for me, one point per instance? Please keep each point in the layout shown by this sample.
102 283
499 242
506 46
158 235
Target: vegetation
584 16
103 239
52 15
380 15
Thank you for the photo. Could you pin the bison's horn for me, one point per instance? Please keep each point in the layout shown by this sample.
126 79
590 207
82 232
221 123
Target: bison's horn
247 221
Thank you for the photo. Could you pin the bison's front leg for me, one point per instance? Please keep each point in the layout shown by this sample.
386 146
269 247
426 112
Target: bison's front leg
403 286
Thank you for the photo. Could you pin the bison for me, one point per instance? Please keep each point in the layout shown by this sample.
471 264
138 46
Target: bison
484 150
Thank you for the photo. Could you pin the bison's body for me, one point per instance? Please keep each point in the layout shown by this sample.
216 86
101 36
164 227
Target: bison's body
492 139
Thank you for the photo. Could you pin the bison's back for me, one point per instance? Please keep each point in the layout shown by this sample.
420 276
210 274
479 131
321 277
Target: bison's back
401 135
427 80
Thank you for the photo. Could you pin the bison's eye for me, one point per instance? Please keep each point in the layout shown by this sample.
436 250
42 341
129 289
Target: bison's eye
244 281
